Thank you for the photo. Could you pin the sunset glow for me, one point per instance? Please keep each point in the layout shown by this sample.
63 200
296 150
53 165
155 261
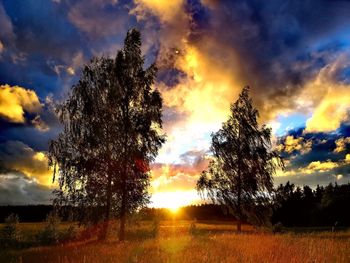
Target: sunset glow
174 200
174 131
206 51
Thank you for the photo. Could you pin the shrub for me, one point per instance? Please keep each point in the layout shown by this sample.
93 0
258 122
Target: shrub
134 220
277 228
68 235
193 228
50 234
155 226
10 235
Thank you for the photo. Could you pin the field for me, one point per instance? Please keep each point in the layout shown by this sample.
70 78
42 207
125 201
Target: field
185 241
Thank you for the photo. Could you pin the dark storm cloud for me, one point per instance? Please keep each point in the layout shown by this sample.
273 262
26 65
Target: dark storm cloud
18 189
279 44
43 40
274 46
98 18
42 29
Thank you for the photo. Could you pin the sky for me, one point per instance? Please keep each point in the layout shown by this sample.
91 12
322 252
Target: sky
295 56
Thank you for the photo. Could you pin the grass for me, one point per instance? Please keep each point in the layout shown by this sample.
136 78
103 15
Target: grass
29 230
207 242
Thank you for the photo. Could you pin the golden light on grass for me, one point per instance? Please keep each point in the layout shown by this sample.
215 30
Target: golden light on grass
213 243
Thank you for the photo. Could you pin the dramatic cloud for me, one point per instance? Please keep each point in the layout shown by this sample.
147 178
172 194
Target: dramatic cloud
16 156
204 70
331 97
174 184
318 166
97 18
15 101
326 161
6 33
297 65
347 158
40 124
179 177
341 144
164 9
18 189
292 144
317 172
2 48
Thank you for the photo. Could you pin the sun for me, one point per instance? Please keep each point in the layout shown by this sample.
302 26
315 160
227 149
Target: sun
174 209
172 200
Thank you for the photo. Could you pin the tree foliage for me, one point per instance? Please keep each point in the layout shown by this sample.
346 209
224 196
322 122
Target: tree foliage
240 173
112 131
303 206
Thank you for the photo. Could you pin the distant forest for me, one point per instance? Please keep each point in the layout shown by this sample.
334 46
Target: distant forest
292 207
323 206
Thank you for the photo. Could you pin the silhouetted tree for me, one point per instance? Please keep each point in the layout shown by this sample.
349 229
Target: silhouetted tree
240 172
112 123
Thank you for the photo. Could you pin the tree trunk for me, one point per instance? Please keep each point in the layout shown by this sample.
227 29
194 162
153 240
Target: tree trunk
239 184
124 174
239 211
123 208
104 229
239 201
122 216
122 228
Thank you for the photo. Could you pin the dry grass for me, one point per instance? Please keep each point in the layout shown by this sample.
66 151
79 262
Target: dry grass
208 243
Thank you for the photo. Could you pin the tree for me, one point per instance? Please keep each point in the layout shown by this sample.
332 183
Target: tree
112 131
240 173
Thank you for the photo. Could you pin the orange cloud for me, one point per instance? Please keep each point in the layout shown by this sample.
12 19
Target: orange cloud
206 92
295 144
164 9
329 98
14 101
202 97
312 168
213 71
320 166
341 144
40 124
347 158
2 48
183 176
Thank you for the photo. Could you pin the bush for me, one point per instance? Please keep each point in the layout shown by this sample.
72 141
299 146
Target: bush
277 228
68 235
134 220
10 235
193 228
50 234
155 227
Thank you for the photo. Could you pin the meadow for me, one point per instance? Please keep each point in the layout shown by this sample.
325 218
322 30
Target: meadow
189 241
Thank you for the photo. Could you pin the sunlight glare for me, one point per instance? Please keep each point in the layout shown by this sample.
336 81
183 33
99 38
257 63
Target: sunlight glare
174 200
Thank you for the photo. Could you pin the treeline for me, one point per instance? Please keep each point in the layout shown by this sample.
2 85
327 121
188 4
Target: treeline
293 206
26 213
303 206
192 212
38 213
